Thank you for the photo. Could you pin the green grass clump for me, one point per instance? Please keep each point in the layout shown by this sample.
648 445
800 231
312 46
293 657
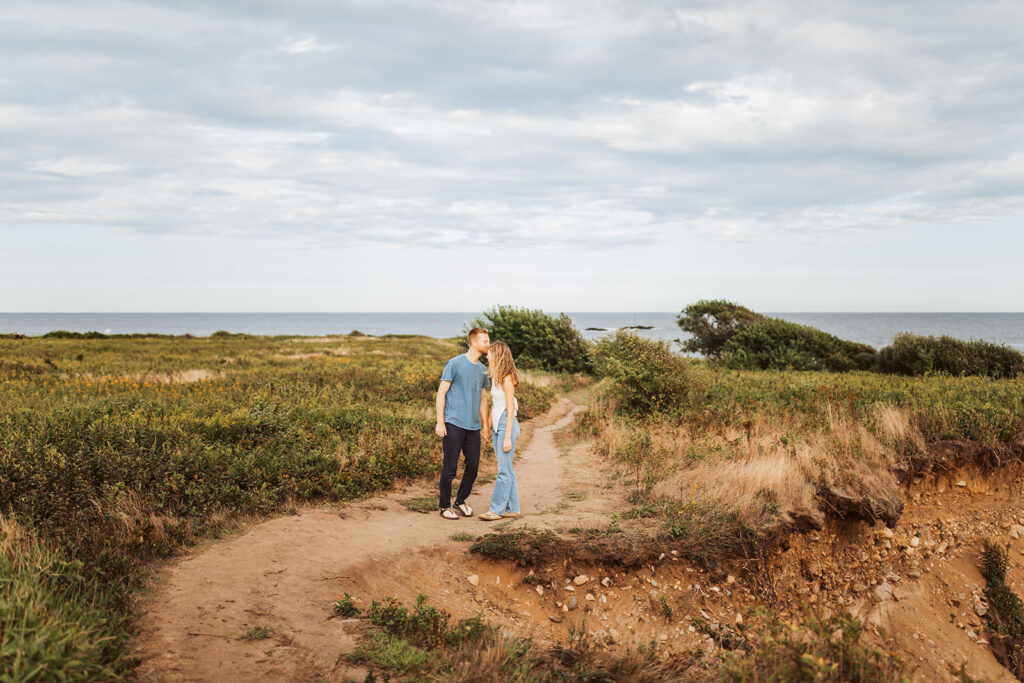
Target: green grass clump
424 504
1006 616
462 536
255 633
54 622
524 546
391 652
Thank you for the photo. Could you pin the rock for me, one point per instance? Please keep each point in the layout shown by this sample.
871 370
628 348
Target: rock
613 635
980 609
590 597
739 619
573 603
581 579
883 591
859 588
961 483
540 590
474 580
914 574
606 582
1016 531
654 583
663 637
604 599
942 548
914 542
570 589
972 635
557 618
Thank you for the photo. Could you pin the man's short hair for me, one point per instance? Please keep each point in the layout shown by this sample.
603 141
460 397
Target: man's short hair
474 333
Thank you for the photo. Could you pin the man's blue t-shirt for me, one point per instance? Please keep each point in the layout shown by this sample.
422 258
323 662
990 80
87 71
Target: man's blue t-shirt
462 402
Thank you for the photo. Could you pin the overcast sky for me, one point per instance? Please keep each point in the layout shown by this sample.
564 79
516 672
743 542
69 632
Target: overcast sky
331 155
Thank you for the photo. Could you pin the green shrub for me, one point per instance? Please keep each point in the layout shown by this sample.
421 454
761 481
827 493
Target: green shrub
647 377
712 323
911 354
536 339
775 344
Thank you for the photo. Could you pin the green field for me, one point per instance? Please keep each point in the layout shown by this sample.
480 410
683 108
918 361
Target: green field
118 451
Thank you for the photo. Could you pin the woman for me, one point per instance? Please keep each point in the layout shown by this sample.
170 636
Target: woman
504 380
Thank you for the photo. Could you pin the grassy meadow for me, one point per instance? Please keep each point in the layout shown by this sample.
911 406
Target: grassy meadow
118 451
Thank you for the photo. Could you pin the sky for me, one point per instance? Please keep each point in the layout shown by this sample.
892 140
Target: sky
385 155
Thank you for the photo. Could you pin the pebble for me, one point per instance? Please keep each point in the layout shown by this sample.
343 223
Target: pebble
573 603
980 609
540 590
613 635
581 579
557 618
961 483
606 582
1016 531
473 579
590 597
570 589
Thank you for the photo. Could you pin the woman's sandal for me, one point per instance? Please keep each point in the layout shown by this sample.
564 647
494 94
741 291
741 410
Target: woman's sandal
489 516
449 513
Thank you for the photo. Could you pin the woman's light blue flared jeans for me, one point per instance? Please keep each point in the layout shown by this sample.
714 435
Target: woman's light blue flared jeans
506 492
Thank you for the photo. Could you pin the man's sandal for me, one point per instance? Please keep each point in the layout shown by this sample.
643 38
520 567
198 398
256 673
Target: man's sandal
464 509
449 513
489 516
513 514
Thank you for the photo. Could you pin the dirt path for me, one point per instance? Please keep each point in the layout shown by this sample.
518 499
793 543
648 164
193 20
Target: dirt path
283 574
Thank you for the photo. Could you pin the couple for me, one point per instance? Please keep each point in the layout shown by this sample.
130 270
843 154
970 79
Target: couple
462 414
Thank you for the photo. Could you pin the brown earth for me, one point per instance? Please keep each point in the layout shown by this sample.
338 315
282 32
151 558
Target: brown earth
916 585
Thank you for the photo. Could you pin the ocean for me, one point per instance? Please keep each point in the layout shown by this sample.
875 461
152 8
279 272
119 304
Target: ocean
876 329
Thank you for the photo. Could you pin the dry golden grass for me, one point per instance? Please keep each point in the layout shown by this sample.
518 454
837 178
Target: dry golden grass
759 469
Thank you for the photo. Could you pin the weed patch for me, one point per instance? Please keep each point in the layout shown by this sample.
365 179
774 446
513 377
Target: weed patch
1006 618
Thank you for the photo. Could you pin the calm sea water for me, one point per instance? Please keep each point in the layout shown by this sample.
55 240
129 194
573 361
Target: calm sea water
876 329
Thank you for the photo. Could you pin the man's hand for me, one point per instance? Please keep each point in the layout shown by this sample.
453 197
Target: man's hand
441 430
485 434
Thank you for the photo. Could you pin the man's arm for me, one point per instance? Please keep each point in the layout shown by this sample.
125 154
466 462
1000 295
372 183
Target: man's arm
485 416
439 428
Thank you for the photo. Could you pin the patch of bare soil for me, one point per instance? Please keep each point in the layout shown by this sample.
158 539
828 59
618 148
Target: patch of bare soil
916 584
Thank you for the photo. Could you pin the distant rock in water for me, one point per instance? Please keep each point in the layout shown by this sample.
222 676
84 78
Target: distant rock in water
598 329
356 333
637 327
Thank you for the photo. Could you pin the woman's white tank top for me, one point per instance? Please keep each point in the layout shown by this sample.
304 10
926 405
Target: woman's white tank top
498 405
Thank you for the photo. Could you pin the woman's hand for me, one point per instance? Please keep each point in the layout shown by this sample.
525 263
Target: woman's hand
507 445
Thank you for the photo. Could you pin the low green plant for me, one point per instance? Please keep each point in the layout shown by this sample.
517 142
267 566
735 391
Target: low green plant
391 652
255 633
345 607
424 504
462 536
776 344
1006 616
667 610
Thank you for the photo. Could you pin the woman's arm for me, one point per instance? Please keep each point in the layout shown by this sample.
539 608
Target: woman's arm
508 388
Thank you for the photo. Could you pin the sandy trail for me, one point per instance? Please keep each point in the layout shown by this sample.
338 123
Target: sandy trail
283 574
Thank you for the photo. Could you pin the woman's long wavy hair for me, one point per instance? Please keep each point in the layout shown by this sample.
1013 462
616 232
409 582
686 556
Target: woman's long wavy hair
502 363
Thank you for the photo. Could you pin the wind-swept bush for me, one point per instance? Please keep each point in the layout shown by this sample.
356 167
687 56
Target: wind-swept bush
536 339
775 344
746 340
712 323
647 377
911 354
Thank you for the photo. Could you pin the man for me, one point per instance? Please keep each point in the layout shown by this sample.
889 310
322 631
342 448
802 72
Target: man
461 413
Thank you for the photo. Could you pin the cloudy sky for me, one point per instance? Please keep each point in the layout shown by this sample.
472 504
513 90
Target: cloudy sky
386 155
